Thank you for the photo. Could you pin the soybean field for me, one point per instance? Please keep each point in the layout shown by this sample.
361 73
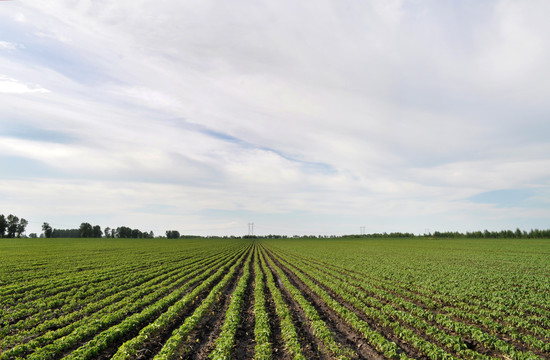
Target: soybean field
295 298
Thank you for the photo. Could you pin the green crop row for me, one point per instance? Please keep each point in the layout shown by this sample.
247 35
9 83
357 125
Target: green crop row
226 339
262 331
288 331
488 340
126 285
150 304
69 335
180 335
317 324
442 323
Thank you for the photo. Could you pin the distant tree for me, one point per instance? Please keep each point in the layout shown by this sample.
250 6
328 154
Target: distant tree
66 233
33 235
123 232
151 234
107 232
21 227
86 230
96 231
47 230
172 234
13 221
3 225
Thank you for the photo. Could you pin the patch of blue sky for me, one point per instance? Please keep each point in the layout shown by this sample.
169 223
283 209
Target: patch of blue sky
28 132
222 136
36 50
21 167
505 198
308 166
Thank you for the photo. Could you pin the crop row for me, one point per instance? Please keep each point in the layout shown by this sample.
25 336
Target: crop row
454 319
268 299
96 326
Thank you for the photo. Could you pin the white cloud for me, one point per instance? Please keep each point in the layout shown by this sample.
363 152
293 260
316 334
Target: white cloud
6 45
20 17
365 109
13 86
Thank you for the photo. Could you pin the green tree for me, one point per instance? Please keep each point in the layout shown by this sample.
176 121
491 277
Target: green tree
123 232
96 231
172 234
3 225
86 230
47 230
13 221
107 232
21 226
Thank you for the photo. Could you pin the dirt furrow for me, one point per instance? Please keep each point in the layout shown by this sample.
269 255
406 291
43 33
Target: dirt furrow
470 343
276 338
310 345
343 333
245 340
201 341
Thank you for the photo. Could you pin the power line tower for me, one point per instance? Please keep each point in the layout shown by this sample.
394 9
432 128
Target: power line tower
251 228
362 230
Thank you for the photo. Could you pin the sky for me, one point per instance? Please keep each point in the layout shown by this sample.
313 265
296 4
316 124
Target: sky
303 117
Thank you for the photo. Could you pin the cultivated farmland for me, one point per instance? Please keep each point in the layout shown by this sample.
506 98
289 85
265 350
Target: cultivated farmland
275 299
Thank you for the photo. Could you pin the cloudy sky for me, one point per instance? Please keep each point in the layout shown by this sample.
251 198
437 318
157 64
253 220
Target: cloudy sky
304 117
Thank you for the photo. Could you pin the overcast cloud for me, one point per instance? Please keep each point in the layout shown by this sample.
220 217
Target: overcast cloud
311 117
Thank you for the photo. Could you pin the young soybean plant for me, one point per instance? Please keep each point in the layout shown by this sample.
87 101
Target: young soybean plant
262 330
181 334
288 331
317 324
225 341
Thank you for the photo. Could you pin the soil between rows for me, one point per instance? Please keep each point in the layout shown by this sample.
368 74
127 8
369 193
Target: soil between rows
202 339
347 272
83 316
342 332
155 343
276 337
244 337
472 344
309 344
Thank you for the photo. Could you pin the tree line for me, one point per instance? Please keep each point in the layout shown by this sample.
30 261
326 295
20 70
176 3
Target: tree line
11 226
486 234
87 230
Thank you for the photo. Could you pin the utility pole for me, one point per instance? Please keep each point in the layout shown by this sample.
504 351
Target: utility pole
251 228
362 230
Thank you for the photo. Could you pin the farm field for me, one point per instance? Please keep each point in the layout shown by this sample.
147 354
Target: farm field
341 298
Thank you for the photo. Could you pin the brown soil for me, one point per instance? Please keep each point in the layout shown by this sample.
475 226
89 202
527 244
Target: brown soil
276 339
244 337
202 340
342 332
310 345
470 343
155 343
